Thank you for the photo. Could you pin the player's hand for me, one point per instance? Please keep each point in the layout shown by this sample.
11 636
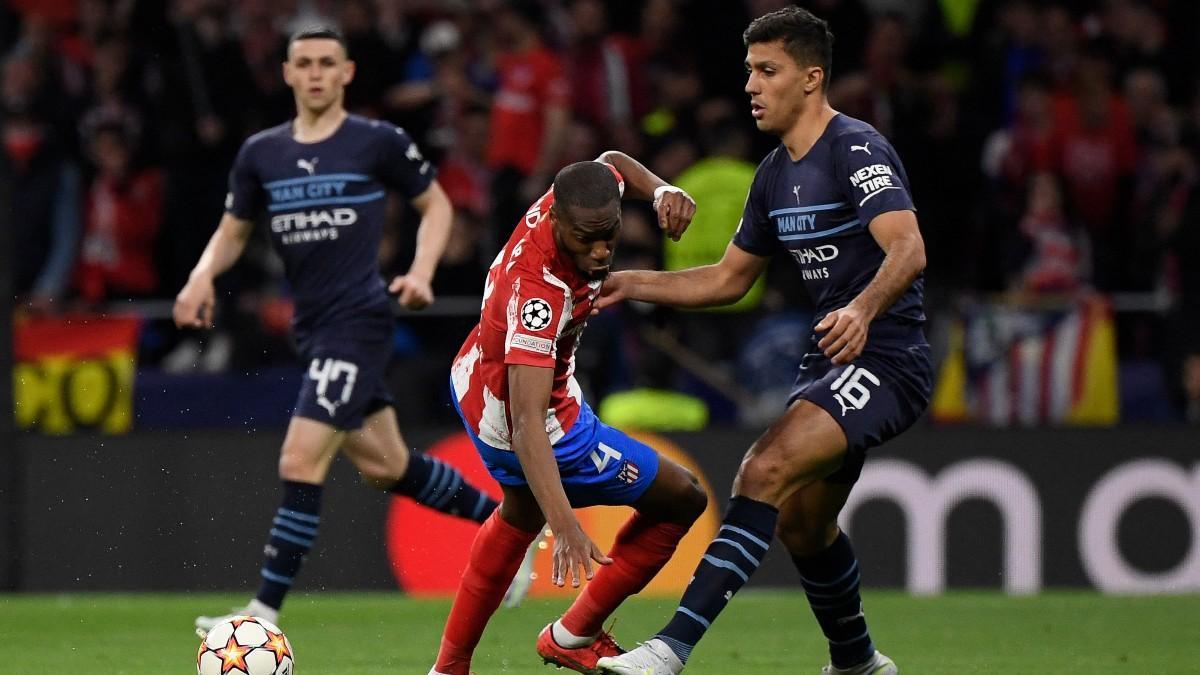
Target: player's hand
675 209
574 552
612 292
845 334
194 304
412 292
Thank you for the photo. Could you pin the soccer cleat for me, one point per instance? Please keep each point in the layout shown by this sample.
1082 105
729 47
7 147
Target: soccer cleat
878 664
254 608
524 578
581 659
652 657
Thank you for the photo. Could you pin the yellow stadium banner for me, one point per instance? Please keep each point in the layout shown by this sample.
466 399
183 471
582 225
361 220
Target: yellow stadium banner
74 373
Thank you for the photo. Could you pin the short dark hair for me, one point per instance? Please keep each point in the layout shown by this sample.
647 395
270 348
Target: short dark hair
806 38
321 32
587 185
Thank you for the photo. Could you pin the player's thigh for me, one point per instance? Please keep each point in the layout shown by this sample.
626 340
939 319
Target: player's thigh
377 449
519 508
675 496
804 445
308 449
601 465
808 519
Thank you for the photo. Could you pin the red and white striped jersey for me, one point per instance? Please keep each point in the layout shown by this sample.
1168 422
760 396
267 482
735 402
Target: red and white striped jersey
535 306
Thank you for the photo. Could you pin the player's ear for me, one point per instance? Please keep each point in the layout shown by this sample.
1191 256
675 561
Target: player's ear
813 79
348 72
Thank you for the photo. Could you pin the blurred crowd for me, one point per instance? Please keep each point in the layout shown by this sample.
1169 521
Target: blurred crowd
1053 150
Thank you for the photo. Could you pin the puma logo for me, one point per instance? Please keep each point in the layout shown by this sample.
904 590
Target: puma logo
796 191
847 619
862 147
310 167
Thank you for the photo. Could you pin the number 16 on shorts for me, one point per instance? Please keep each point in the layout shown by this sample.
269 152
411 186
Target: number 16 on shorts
849 389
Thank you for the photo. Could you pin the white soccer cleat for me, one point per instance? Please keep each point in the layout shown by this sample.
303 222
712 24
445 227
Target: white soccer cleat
253 608
652 657
878 664
524 578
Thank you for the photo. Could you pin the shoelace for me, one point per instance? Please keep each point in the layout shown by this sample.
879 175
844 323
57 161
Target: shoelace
606 640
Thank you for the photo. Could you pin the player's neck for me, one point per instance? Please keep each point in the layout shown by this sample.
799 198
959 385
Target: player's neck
808 128
312 126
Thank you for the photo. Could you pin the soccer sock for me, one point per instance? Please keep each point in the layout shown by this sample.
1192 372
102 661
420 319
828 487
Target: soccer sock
438 485
830 580
495 556
731 558
641 549
292 533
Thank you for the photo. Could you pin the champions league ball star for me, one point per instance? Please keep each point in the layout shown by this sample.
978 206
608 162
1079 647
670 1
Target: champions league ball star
245 645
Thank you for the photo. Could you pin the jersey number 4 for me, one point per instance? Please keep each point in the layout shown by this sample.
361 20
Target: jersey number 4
328 371
850 391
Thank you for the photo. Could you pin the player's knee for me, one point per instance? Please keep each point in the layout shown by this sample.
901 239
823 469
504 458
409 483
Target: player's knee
762 476
295 465
692 500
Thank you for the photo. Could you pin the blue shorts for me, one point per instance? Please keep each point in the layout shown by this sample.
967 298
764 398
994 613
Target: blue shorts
882 393
344 373
599 465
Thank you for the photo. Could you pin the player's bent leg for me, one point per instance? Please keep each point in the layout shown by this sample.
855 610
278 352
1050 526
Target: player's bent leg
495 555
379 452
308 449
803 446
664 513
828 572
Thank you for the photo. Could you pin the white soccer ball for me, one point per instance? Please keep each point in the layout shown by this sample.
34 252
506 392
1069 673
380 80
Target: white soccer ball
245 645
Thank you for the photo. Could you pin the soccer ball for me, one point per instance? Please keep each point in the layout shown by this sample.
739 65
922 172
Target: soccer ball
245 645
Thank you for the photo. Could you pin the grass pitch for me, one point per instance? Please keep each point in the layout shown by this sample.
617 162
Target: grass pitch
761 633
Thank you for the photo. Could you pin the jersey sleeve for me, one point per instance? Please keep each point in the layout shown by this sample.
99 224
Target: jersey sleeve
871 175
245 198
537 312
754 232
402 167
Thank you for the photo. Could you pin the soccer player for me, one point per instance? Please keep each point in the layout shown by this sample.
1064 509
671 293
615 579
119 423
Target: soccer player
514 386
834 197
322 179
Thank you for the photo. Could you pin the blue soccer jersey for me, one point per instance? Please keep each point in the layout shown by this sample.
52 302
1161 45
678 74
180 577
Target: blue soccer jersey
818 208
325 204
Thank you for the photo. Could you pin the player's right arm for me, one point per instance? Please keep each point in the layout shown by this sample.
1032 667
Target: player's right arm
713 285
194 304
529 397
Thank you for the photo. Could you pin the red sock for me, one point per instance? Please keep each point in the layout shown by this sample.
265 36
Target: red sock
640 551
495 556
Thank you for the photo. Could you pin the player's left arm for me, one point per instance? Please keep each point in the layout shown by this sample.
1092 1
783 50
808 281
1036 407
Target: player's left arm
414 290
845 329
674 207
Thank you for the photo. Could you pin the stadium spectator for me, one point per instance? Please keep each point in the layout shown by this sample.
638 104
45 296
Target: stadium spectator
530 113
123 215
45 184
1050 253
606 74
